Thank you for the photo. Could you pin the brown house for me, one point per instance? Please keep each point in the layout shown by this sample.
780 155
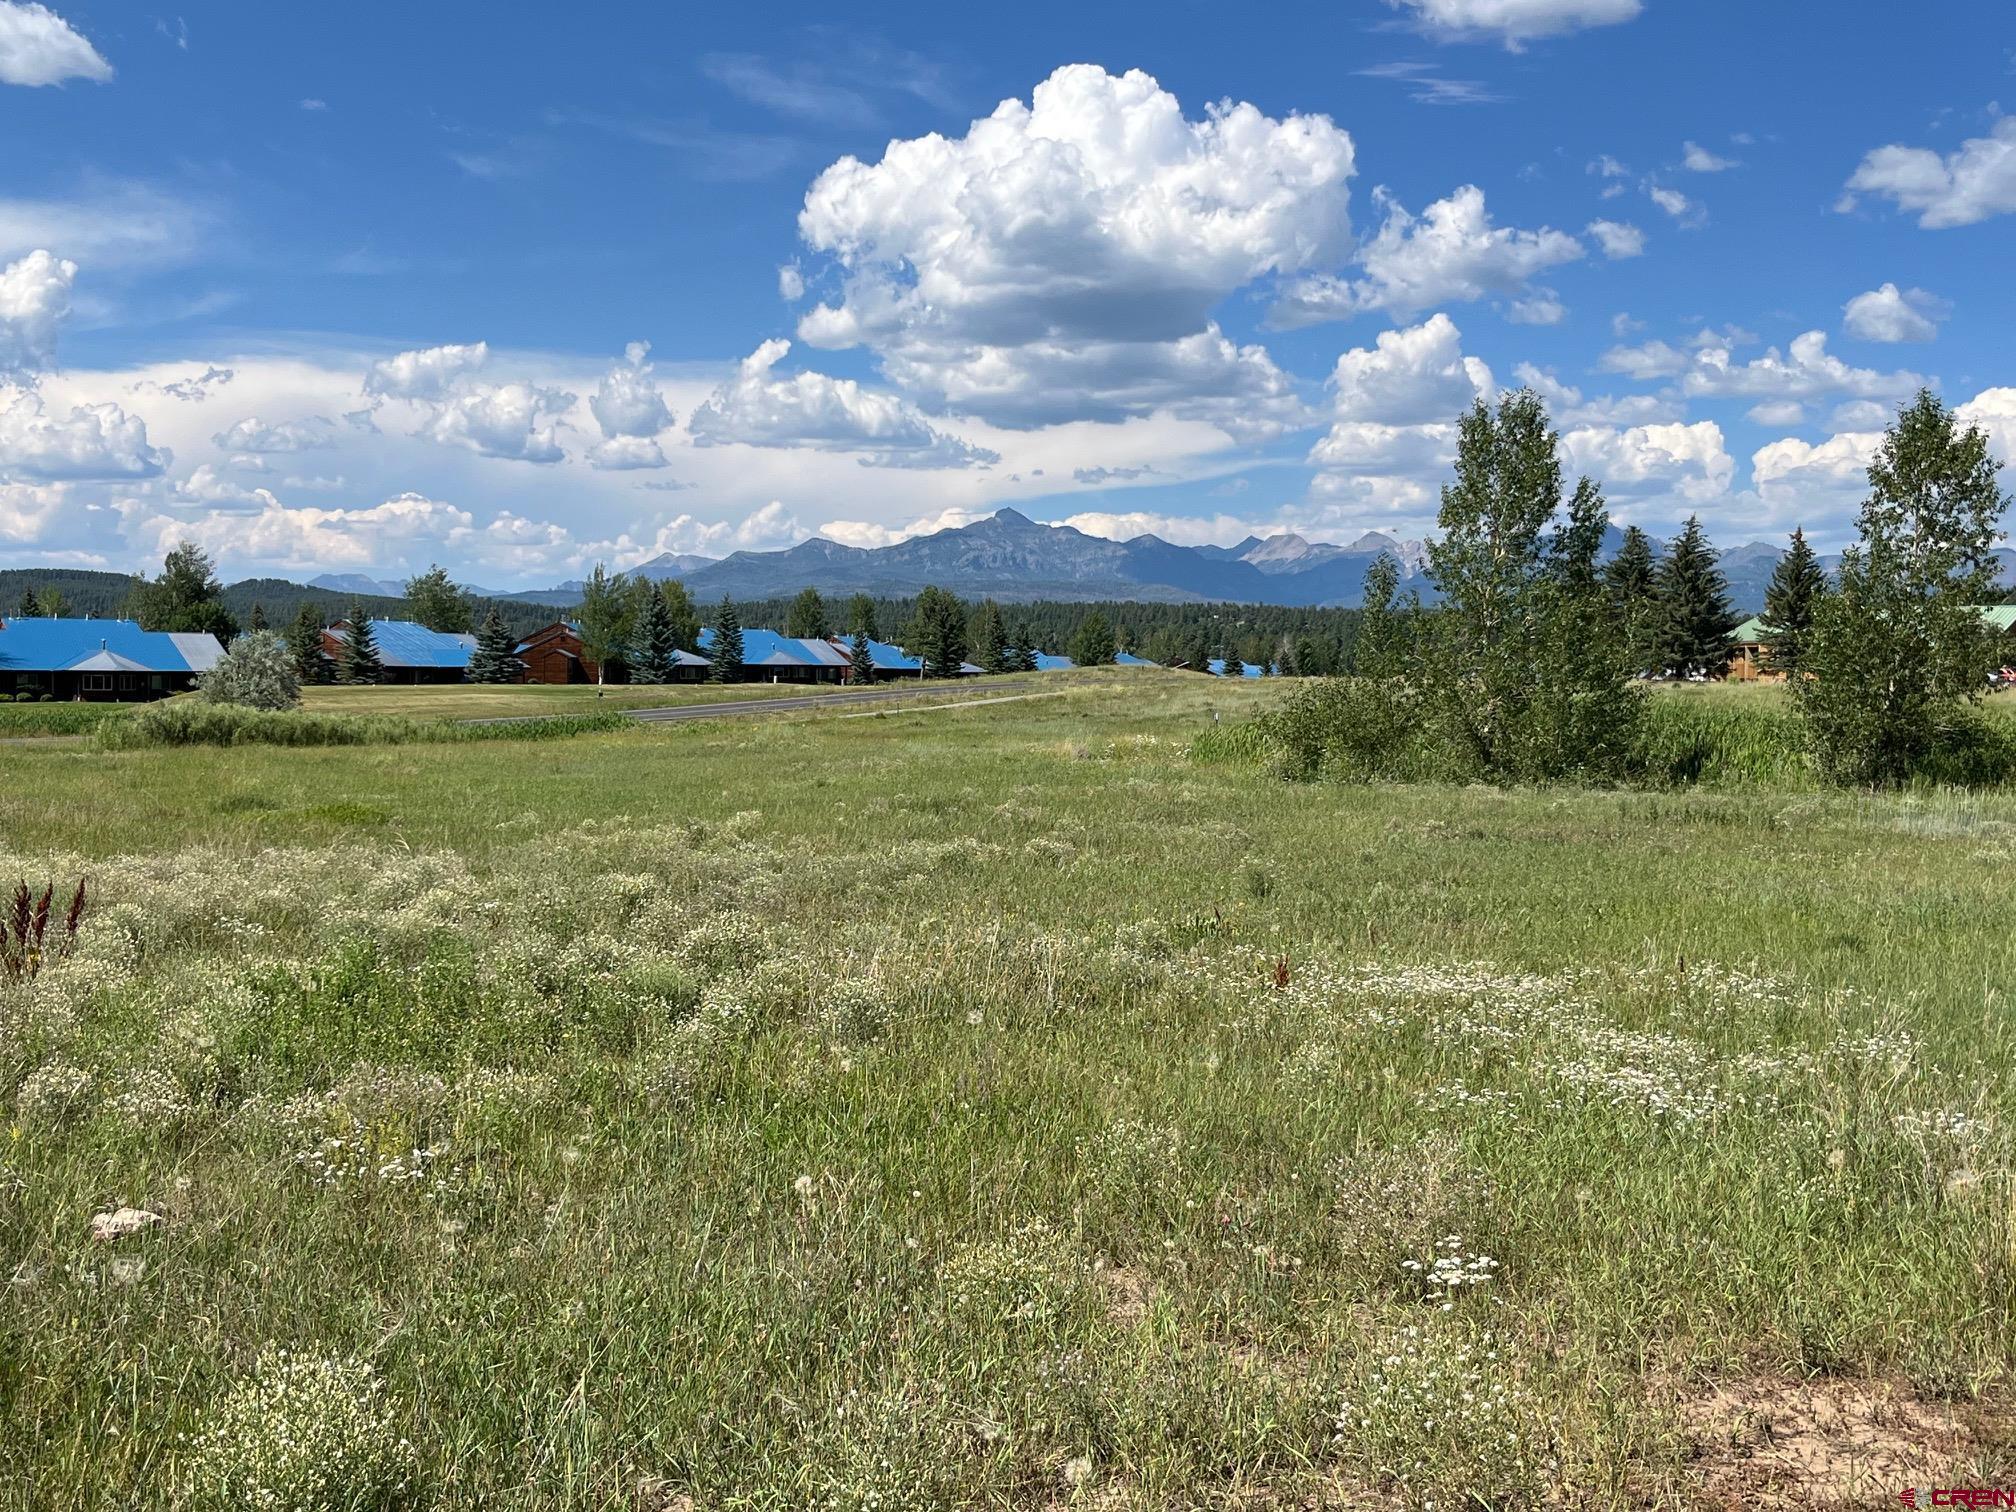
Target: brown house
553 654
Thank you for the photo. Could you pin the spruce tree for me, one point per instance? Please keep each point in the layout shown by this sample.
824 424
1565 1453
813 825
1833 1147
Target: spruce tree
724 657
1233 667
990 639
493 661
655 658
940 632
1694 617
304 643
1092 644
1021 649
807 619
861 660
1285 664
257 620
31 607
1631 585
1898 649
359 662
1790 602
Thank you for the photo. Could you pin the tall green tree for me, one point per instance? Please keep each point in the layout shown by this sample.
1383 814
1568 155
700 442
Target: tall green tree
724 657
257 620
31 607
1791 602
312 663
1232 665
359 662
494 659
54 604
656 655
1695 619
1631 584
684 616
439 603
808 619
1021 648
861 660
1899 649
185 597
940 632
990 639
1285 664
1378 650
1092 645
861 617
606 621
1507 698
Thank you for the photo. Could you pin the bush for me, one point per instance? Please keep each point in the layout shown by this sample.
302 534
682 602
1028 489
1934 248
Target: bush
191 721
1355 729
256 673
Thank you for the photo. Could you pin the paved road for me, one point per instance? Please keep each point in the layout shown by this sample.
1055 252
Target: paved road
788 705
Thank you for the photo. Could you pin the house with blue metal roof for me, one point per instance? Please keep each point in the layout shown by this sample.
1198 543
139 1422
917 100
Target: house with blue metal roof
100 660
1249 669
1129 659
408 652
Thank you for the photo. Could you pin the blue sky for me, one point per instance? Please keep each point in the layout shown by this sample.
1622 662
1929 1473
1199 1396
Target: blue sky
372 286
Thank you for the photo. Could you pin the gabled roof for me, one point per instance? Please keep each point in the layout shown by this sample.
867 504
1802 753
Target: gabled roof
1251 669
401 643
58 645
766 648
1129 659
1750 632
106 661
1047 663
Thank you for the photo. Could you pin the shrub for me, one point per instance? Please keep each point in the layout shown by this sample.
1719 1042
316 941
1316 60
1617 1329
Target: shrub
258 672
311 1435
1355 729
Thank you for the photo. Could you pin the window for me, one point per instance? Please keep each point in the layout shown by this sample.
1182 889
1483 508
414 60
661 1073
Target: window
97 682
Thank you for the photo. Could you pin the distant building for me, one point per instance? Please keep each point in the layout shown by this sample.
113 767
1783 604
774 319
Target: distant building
1750 643
1216 666
100 660
554 654
1129 659
409 653
770 657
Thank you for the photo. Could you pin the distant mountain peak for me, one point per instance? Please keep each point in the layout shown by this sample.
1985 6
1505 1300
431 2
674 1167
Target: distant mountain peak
1007 516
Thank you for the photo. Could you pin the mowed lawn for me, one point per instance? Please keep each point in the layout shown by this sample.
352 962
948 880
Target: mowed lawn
992 1107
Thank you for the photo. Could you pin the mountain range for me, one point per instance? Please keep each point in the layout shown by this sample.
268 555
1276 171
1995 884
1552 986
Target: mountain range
1010 557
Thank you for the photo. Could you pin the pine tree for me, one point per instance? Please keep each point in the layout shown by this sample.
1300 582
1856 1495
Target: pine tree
990 639
655 658
861 617
359 662
1092 644
1693 605
439 603
1798 583
861 660
807 619
1898 649
1233 666
493 660
1631 586
1285 664
724 657
257 619
941 632
1021 649
31 607
185 597
304 644
680 612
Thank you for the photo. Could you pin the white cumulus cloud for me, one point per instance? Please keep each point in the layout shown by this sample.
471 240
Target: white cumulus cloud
514 421
1618 239
427 373
1451 253
760 407
631 412
255 435
1969 184
1698 159
1892 314
34 300
37 46
91 441
1062 259
1689 462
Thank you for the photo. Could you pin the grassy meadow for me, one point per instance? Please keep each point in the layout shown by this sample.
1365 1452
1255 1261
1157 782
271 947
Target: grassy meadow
995 1108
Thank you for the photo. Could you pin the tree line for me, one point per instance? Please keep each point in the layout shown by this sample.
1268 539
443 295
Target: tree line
1530 665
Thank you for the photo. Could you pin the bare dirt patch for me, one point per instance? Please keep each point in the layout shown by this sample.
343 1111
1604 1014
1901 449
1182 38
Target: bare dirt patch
1768 1442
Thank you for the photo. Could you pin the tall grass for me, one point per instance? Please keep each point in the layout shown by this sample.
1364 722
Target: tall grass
190 721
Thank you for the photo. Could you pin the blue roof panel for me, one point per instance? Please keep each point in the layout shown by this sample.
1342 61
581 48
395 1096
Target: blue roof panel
1129 659
401 643
51 645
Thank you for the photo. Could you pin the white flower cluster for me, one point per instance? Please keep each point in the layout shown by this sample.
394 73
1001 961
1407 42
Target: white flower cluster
335 1162
300 1434
1450 1271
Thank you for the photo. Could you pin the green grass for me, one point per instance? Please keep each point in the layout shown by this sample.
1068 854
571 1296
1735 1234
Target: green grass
476 701
902 1112
27 720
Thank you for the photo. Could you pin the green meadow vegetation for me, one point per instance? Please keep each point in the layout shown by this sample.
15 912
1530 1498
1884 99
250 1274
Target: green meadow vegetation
1039 1105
